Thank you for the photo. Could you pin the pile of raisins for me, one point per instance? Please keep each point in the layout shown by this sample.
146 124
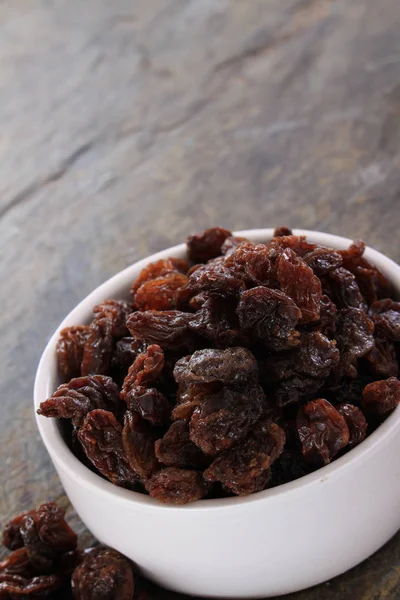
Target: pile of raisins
45 562
247 367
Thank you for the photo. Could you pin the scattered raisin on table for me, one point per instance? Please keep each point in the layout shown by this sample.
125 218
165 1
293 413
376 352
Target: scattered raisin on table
104 574
247 366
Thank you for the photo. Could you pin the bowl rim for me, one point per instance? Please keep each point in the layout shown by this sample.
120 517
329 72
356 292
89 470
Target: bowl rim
65 461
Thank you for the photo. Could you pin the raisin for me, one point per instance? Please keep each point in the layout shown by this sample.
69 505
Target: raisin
231 243
386 315
225 417
104 574
98 348
382 359
380 398
322 431
216 320
177 486
282 231
149 403
355 250
14 586
188 397
373 285
251 262
163 293
203 246
70 350
117 311
342 288
238 467
298 281
298 243
251 486
125 352
145 370
323 260
356 423
74 400
157 269
288 467
233 365
11 533
138 440
270 316
169 329
176 449
101 439
217 279
17 563
328 312
354 337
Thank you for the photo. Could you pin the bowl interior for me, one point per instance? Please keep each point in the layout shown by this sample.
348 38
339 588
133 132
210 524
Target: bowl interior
117 287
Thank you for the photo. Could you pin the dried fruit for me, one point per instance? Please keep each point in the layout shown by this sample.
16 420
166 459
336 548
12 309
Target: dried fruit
282 231
98 348
356 423
207 244
138 440
270 316
177 486
176 449
215 278
157 269
101 439
380 398
116 311
239 467
163 293
252 263
354 337
323 260
145 370
70 350
298 281
231 243
233 365
322 431
124 354
104 574
342 288
169 328
74 400
386 315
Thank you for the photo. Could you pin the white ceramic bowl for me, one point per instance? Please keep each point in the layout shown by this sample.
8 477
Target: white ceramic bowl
274 542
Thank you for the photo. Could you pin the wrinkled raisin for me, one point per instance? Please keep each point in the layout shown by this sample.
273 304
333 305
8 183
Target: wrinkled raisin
138 440
328 312
323 260
104 574
322 431
163 293
231 243
124 354
382 359
157 269
117 312
75 399
282 231
386 315
354 337
215 278
101 439
207 244
298 281
252 263
238 467
176 449
342 288
188 397
177 486
169 328
380 398
356 423
298 243
216 320
270 316
149 403
98 348
233 365
145 370
70 348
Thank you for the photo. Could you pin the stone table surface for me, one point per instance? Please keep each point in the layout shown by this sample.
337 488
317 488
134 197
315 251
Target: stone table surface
125 125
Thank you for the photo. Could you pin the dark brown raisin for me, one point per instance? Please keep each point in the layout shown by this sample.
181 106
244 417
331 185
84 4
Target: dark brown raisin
70 350
281 231
327 322
169 328
207 244
270 316
233 365
342 288
149 403
157 269
380 398
215 278
176 449
298 243
145 370
75 399
216 320
354 338
138 440
238 467
163 293
98 348
101 439
177 486
117 312
298 281
382 359
124 354
188 397
14 587
323 260
356 423
252 263
322 431
386 315
231 243
104 574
